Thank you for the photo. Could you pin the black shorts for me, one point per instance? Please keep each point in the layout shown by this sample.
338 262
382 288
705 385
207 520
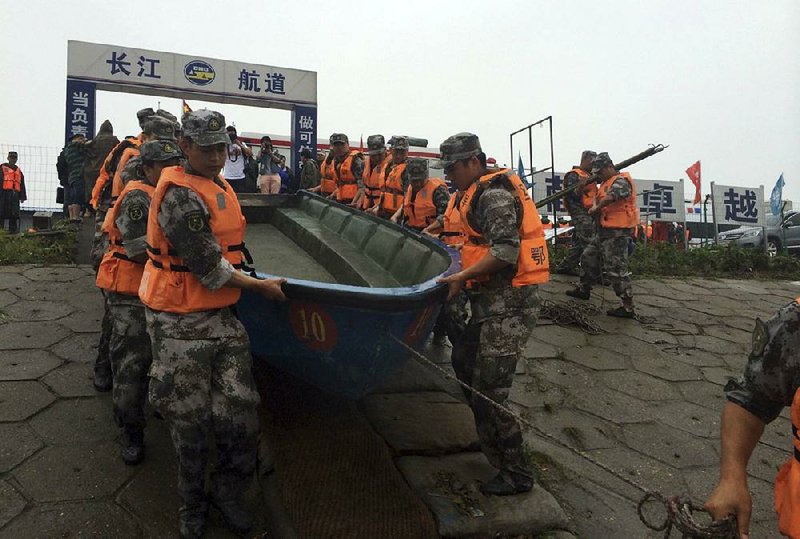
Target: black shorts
74 193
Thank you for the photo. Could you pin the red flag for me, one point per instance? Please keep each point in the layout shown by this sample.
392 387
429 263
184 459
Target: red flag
186 108
694 174
361 144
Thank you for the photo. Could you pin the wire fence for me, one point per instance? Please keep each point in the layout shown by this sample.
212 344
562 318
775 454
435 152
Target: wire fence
38 164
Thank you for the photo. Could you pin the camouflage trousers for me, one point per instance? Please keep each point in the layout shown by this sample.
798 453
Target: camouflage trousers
102 364
453 317
99 240
609 256
582 236
485 358
130 354
204 387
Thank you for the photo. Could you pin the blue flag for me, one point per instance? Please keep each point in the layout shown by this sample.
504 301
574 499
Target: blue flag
776 198
521 173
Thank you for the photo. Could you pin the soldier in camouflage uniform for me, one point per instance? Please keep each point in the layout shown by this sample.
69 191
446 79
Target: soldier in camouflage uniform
607 255
503 315
201 379
584 225
770 382
129 346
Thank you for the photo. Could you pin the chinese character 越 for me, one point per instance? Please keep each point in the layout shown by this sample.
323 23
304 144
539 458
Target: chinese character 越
740 207
658 201
306 122
275 83
305 136
151 67
537 255
553 186
80 99
79 116
118 63
248 81
79 130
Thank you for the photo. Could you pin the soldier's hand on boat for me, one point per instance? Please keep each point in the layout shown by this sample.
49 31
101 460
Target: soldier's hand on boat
731 498
271 289
454 283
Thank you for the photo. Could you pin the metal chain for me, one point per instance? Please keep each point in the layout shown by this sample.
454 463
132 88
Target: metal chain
679 513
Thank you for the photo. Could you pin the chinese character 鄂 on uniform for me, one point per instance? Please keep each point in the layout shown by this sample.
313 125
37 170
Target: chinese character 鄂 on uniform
740 207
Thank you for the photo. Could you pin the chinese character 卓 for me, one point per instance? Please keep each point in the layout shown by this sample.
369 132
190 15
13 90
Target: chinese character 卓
275 83
740 207
118 63
248 81
79 116
80 99
659 201
553 186
306 122
151 67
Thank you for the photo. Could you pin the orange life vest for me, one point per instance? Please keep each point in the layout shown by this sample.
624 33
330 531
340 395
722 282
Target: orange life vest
118 185
420 210
787 483
453 231
623 213
12 179
117 272
327 173
393 189
533 264
167 284
589 191
374 179
103 177
346 181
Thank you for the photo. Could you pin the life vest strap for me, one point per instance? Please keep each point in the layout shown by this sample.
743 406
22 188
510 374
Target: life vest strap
241 247
172 267
123 256
478 240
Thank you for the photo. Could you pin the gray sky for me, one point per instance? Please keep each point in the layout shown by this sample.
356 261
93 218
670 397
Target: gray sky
718 81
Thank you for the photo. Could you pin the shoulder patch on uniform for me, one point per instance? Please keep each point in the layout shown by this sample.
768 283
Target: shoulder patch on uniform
195 221
760 338
136 212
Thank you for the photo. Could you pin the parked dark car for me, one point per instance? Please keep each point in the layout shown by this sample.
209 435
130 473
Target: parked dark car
780 234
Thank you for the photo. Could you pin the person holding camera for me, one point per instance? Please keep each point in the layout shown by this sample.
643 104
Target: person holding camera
269 167
236 161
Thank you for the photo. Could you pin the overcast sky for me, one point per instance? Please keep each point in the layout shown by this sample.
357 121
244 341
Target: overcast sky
717 81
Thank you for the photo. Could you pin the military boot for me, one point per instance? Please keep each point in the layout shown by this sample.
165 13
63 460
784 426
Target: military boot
621 312
579 292
133 450
192 520
507 484
103 380
236 516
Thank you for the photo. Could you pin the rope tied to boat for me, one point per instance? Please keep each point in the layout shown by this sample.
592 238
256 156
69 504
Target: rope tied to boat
679 511
571 313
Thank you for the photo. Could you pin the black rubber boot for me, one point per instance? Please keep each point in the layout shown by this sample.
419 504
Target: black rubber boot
579 292
621 312
507 484
236 516
133 450
192 520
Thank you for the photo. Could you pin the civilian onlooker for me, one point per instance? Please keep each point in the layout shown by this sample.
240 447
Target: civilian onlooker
75 154
287 177
236 161
96 151
12 182
309 173
269 166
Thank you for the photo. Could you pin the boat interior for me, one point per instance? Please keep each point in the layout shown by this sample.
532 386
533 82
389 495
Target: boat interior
306 237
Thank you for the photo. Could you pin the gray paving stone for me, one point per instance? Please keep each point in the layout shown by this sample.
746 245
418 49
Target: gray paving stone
575 428
531 392
656 301
90 302
650 336
647 472
21 335
11 503
58 274
624 344
96 520
17 442
7 298
778 434
33 311
73 472
83 322
558 335
71 380
716 345
689 316
703 393
666 369
766 461
671 446
709 309
536 349
561 373
613 406
424 423
729 334
693 356
44 291
12 280
597 358
639 385
743 323
20 400
26 364
81 348
689 417
719 375
683 286
524 514
77 421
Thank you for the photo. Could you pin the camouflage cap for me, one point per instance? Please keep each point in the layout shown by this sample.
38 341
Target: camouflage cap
376 144
205 127
339 138
417 169
458 147
399 143
591 154
168 115
144 114
133 170
159 127
159 150
601 161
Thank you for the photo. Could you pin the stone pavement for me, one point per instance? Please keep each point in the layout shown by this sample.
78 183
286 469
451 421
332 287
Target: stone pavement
643 398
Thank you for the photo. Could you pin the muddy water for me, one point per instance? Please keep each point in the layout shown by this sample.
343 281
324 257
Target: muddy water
277 254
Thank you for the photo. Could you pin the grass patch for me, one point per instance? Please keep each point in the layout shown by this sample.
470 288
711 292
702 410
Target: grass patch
666 260
55 248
